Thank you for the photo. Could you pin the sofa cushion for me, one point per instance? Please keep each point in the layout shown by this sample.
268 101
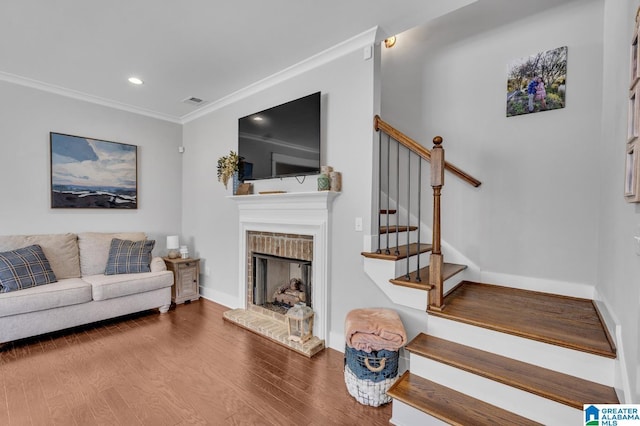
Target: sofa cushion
24 268
129 257
112 286
60 249
157 264
94 249
70 291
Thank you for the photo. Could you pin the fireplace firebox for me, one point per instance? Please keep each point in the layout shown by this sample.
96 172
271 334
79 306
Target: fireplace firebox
280 282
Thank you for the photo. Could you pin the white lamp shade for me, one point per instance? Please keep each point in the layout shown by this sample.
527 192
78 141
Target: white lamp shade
172 242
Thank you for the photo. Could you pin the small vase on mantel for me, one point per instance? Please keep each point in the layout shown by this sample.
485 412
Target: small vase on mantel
324 181
236 183
336 181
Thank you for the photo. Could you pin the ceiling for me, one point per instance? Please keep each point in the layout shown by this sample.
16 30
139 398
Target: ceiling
181 49
206 49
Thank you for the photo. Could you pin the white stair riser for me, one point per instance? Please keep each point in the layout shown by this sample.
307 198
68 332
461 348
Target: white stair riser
380 271
406 415
506 397
575 363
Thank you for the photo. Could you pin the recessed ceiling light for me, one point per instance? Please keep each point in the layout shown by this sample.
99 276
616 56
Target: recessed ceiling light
257 118
135 80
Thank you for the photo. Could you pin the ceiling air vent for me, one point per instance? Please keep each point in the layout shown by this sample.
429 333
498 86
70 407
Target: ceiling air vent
193 101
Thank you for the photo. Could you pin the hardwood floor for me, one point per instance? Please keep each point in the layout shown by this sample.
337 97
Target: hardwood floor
185 367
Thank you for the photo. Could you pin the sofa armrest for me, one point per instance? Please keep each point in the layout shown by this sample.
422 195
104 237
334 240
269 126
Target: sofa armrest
157 265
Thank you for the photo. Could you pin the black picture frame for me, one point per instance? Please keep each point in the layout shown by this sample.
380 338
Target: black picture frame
88 173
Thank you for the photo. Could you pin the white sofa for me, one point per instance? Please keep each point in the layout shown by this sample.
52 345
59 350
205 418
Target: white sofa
83 293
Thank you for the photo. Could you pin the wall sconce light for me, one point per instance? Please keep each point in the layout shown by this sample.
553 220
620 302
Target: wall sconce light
390 42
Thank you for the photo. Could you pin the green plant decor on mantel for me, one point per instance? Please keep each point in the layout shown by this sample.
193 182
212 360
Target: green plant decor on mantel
227 166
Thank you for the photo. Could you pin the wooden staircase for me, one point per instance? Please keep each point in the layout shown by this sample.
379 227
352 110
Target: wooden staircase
488 383
559 387
491 354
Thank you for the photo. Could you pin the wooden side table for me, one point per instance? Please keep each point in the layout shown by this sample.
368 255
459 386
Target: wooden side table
186 279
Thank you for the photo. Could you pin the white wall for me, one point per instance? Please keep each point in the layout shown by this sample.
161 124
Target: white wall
211 220
619 265
26 118
536 213
551 203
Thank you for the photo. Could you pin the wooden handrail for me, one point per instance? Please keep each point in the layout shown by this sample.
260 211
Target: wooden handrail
380 124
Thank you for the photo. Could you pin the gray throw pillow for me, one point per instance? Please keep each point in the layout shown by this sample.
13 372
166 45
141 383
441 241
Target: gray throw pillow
129 257
24 268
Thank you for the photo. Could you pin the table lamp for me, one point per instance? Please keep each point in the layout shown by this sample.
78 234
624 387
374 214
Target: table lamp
172 246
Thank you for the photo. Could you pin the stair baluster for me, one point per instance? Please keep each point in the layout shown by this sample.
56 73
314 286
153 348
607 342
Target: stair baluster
387 251
378 251
418 279
397 252
408 274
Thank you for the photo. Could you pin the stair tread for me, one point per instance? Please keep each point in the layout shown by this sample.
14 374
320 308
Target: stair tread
558 320
412 250
449 405
396 228
448 270
559 387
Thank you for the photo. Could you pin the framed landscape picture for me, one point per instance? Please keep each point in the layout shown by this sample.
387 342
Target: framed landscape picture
92 173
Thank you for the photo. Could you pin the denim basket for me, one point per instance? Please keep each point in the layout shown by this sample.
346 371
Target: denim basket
375 365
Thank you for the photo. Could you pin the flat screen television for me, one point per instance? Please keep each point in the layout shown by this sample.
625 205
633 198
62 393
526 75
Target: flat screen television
281 141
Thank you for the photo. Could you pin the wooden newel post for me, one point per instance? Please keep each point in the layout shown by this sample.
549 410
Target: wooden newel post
436 295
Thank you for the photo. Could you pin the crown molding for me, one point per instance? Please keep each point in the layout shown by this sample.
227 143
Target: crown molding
359 41
74 94
364 39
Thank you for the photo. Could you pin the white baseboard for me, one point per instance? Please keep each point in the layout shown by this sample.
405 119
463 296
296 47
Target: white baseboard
219 297
609 316
563 288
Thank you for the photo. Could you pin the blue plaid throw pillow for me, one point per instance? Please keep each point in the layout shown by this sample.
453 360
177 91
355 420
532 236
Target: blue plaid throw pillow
129 257
24 268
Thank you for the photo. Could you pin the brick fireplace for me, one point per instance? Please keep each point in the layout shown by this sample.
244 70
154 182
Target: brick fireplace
291 226
274 261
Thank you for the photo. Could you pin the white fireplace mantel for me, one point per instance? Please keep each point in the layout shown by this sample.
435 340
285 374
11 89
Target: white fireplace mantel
303 213
319 200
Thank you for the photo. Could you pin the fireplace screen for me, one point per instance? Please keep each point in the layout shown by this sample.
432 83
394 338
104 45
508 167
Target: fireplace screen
280 282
